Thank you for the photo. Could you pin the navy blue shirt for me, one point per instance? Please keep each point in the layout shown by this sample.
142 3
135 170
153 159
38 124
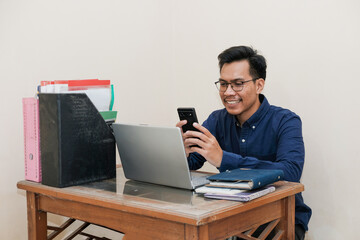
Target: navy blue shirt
270 139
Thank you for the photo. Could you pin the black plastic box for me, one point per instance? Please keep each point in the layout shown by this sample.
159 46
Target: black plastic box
77 146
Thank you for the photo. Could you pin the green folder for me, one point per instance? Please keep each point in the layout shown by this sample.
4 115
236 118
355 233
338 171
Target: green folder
109 116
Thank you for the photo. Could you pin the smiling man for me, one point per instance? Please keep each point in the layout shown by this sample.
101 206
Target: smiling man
249 132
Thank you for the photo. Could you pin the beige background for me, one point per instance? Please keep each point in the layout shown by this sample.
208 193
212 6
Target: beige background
161 54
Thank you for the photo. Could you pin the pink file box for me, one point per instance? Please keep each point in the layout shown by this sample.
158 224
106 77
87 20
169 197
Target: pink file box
32 139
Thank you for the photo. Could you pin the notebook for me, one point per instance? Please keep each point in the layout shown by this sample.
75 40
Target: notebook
245 196
246 178
155 155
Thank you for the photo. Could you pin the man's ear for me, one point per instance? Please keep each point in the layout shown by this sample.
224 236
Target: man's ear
260 84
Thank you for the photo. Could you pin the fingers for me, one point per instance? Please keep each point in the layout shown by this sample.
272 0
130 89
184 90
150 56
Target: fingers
197 150
180 124
189 142
202 129
206 144
196 135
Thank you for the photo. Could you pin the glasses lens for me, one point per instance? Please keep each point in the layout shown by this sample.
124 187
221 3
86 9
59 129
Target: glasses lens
222 86
237 86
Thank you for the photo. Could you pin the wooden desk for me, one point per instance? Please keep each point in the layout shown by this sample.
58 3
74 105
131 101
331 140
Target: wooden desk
146 211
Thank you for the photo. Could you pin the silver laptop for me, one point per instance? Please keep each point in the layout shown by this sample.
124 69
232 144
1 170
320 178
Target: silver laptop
155 155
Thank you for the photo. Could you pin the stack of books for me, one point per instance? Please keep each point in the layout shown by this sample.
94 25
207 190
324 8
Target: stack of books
241 184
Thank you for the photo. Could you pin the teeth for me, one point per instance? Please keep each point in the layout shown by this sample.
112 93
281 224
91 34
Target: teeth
233 102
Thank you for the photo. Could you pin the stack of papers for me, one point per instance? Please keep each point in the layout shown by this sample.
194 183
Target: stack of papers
241 184
227 191
235 194
100 92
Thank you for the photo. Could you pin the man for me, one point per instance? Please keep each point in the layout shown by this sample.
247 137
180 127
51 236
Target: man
249 132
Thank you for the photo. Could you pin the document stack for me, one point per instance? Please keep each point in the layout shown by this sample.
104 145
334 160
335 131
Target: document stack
100 92
241 184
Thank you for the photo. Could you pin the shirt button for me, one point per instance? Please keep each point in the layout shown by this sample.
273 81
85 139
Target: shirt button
253 127
243 140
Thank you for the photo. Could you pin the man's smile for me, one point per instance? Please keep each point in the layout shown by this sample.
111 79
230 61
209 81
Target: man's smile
232 101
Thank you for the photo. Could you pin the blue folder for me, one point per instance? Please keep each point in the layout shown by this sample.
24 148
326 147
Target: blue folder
245 178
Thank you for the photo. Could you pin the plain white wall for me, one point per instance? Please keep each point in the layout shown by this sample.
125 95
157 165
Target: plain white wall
162 54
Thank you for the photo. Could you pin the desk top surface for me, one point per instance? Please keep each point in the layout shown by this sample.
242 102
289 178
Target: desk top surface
157 201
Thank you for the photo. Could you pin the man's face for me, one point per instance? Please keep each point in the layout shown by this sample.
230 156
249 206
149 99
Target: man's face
244 103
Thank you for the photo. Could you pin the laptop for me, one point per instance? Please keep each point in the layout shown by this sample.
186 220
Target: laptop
155 155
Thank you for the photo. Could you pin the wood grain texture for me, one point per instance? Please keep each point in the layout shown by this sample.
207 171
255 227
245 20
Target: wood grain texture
143 217
200 213
244 221
37 220
287 222
125 222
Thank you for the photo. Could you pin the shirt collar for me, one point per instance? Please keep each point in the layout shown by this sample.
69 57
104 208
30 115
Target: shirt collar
255 118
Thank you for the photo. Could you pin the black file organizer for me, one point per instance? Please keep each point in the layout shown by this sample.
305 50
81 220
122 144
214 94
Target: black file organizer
77 146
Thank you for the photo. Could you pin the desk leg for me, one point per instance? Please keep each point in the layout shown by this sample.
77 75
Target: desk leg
37 220
287 222
197 233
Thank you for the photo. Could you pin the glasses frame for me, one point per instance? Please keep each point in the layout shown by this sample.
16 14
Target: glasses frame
231 84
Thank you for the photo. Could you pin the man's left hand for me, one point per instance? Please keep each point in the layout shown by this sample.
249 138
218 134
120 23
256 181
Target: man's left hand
209 146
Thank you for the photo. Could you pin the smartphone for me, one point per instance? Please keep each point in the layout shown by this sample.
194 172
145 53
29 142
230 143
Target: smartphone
188 114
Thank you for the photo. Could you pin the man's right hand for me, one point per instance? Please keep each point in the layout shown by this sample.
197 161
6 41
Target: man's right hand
187 148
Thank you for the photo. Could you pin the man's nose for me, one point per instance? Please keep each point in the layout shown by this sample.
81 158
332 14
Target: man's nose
229 90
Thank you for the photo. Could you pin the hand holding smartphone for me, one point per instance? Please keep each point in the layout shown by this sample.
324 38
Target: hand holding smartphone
189 115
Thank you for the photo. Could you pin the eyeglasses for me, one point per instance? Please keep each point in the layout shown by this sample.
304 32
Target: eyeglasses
236 85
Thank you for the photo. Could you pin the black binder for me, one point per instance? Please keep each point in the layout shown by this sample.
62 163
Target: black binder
77 146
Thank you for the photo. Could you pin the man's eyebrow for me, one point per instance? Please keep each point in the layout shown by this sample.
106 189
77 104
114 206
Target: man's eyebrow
234 80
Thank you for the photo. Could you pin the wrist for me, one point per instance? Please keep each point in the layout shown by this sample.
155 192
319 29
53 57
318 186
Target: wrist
219 160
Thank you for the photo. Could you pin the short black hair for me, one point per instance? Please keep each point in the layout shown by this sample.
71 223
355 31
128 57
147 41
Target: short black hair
256 61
